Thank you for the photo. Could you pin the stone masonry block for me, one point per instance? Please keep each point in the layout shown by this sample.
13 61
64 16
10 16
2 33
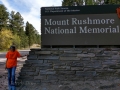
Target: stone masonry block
75 52
47 72
52 77
49 49
111 52
66 49
56 52
69 55
103 55
40 77
86 73
32 57
116 57
34 61
48 57
76 64
42 52
86 55
28 69
31 52
86 58
42 65
60 72
69 58
95 64
109 62
59 67
32 73
77 68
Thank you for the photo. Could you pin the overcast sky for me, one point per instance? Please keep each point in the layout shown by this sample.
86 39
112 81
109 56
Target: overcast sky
29 9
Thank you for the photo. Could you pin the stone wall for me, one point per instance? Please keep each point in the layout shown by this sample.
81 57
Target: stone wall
63 66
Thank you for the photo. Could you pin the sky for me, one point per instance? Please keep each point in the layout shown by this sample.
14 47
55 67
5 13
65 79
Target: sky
30 9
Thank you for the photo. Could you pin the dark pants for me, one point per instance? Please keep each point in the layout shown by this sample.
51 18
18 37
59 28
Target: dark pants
11 78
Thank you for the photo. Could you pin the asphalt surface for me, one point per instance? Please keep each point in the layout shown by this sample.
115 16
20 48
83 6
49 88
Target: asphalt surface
3 72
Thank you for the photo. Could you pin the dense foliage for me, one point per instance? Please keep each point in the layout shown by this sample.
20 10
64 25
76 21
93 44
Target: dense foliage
88 2
14 31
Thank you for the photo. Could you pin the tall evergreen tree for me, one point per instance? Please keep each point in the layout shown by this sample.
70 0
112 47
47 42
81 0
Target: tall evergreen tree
78 2
4 17
33 35
29 29
16 22
112 1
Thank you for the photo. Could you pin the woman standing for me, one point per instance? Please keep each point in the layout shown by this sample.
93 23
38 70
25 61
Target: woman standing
11 64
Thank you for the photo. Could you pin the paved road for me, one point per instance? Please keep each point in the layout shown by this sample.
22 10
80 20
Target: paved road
3 72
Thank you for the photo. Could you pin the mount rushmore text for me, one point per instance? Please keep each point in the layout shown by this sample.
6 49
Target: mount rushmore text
75 25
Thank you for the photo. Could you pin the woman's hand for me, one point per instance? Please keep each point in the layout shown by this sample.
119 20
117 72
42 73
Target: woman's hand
23 56
5 67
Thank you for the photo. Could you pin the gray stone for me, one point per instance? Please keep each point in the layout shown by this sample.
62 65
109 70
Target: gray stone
52 77
79 49
114 66
85 89
47 72
77 68
42 52
65 88
109 62
65 65
48 57
31 52
45 61
116 57
32 57
27 64
68 67
31 69
59 67
102 55
66 49
69 55
86 55
42 65
108 87
62 77
65 72
71 52
89 69
49 49
85 58
76 64
26 78
85 52
95 64
69 58
31 73
22 73
40 77
60 64
86 73
45 67
115 49
35 49
56 52
34 61
111 52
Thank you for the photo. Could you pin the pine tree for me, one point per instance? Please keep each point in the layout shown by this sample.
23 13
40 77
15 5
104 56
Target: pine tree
4 17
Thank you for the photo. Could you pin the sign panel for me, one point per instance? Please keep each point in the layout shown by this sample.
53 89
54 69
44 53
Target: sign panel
81 28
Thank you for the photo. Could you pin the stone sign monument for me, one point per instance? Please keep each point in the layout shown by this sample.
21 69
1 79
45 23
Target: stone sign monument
58 68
